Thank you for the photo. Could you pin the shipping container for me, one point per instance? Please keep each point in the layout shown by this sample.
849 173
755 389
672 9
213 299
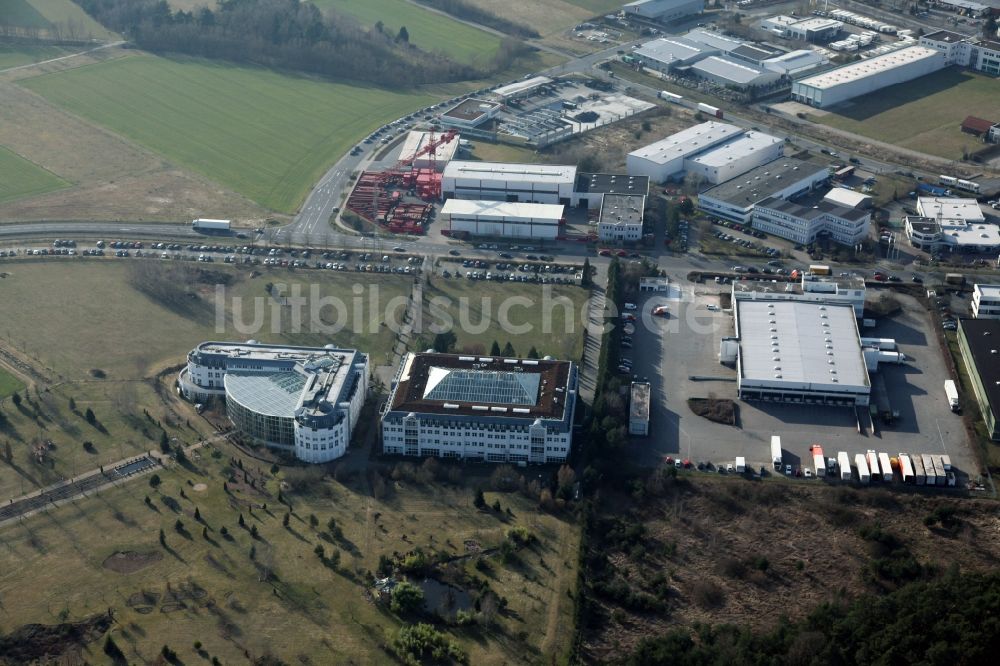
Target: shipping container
862 465
819 461
844 461
906 468
776 451
885 465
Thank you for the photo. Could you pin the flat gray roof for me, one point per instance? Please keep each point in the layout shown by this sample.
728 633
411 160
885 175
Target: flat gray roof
731 70
687 142
736 148
800 342
671 49
622 208
764 181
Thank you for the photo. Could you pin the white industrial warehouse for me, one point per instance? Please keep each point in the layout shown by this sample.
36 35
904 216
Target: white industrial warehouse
481 408
715 151
730 72
303 399
783 178
664 10
798 352
866 76
500 181
501 218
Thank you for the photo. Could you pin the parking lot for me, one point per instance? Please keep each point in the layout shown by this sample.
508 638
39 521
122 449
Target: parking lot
678 355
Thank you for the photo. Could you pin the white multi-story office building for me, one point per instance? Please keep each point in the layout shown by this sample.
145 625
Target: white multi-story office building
804 224
481 408
303 399
501 181
982 55
621 217
986 301
956 235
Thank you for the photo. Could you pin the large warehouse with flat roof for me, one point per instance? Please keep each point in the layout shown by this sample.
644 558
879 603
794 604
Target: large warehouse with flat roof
781 179
505 410
979 341
502 181
502 218
798 352
866 76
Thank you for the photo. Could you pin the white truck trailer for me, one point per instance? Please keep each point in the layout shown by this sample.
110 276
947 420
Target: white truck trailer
844 462
776 451
928 462
919 475
951 391
209 225
873 466
819 461
741 464
885 465
906 468
862 464
667 96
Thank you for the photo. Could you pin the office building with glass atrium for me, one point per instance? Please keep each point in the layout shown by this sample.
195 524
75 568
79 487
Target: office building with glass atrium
303 399
481 408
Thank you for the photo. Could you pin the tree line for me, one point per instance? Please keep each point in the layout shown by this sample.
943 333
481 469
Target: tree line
470 12
287 34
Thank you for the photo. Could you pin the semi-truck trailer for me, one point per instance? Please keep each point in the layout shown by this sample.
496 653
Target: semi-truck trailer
776 451
844 462
710 110
882 344
741 464
942 473
929 471
951 392
819 461
933 190
205 224
885 465
873 466
863 475
819 269
906 468
670 97
919 475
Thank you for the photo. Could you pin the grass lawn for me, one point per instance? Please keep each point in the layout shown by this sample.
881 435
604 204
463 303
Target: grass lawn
428 30
20 178
14 56
281 600
921 114
266 135
501 152
118 329
538 319
66 12
20 13
9 384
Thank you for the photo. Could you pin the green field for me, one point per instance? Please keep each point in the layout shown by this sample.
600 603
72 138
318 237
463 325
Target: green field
205 594
428 30
20 13
558 334
265 135
924 114
9 384
14 56
20 178
73 21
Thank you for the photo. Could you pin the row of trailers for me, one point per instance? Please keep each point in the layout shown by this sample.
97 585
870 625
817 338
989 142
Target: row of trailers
382 198
919 469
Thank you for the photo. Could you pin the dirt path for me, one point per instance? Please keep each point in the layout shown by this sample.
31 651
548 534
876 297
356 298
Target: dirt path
65 57
553 626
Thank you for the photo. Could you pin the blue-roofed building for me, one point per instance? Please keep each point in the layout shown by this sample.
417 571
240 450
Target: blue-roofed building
303 399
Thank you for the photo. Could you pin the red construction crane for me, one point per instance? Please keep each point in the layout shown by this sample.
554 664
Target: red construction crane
395 172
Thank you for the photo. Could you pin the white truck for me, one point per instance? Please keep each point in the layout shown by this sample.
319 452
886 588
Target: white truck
873 466
819 460
862 464
886 466
951 391
844 461
776 451
209 225
741 464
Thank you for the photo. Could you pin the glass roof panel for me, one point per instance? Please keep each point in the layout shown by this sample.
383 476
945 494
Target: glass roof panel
482 386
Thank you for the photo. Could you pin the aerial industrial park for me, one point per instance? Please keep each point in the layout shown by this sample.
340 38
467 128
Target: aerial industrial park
449 332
